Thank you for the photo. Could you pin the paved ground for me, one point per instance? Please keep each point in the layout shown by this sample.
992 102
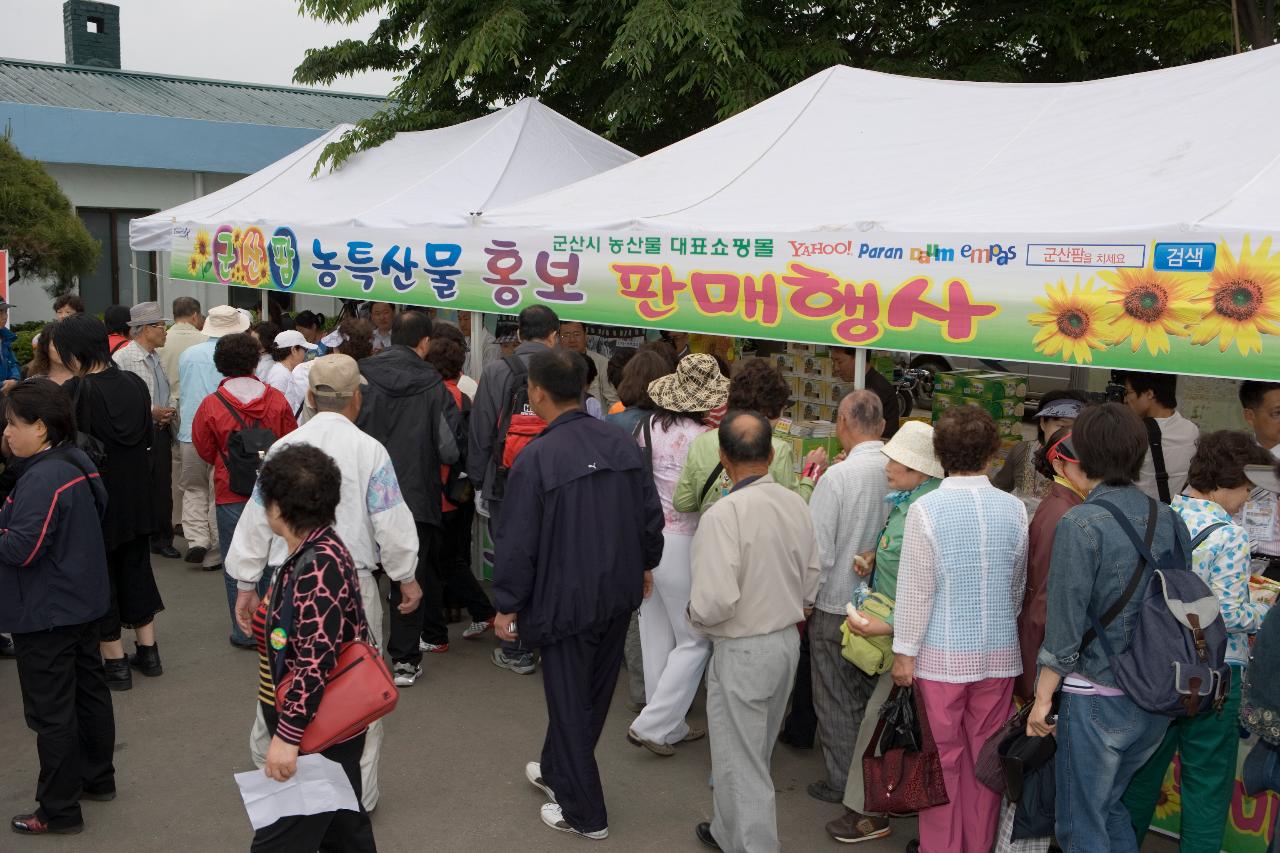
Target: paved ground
452 765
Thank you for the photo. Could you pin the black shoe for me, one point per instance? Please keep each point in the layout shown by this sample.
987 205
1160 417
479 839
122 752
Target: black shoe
913 846
99 796
6 647
216 567
820 790
167 551
793 742
119 677
703 831
252 645
147 660
196 555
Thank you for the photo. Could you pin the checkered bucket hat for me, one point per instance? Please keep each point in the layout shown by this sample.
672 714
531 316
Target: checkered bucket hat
696 386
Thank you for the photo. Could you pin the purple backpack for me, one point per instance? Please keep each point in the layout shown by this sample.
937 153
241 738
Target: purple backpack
1175 665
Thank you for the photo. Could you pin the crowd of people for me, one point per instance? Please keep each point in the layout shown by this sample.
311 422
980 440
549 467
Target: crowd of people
303 462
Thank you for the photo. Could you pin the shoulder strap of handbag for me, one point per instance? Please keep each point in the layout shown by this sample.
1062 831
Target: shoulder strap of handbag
1205 534
297 413
284 594
1144 556
711 479
1154 439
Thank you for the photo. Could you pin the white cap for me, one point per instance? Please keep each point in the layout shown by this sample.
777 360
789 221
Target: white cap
292 338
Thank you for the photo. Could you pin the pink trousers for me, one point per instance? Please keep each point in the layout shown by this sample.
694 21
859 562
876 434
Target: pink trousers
962 717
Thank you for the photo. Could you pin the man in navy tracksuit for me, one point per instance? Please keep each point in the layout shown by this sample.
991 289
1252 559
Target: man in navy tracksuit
581 528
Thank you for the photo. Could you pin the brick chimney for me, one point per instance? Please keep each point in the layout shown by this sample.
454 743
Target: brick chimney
92 33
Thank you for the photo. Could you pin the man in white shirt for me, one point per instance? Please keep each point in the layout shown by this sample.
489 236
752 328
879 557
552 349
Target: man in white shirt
1260 405
1153 397
848 511
372 519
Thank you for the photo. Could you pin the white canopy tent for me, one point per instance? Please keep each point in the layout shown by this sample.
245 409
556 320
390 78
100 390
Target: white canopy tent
1125 222
427 178
1193 147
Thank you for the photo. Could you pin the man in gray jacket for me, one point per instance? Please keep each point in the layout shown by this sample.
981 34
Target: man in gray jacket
755 576
539 331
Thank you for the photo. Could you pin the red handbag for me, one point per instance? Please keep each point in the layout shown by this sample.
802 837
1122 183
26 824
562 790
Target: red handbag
358 691
902 781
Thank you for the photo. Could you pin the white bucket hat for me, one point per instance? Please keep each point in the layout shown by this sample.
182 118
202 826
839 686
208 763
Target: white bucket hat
912 446
225 320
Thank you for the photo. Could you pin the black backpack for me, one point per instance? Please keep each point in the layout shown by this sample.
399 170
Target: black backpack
246 448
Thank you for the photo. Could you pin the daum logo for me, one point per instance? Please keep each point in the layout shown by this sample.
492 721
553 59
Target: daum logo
933 253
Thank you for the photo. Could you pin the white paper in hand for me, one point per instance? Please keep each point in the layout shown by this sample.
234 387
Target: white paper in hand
319 786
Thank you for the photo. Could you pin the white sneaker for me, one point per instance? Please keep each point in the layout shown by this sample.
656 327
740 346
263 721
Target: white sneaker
406 674
533 772
432 648
554 818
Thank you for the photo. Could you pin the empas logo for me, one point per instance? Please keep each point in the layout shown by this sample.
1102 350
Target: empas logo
181 231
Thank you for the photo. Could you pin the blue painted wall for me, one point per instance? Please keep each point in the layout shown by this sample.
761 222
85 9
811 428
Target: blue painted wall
90 137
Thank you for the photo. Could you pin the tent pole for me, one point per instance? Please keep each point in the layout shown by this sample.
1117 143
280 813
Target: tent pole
860 368
133 269
478 521
263 314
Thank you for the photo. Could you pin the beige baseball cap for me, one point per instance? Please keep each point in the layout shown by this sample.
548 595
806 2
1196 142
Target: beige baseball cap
335 375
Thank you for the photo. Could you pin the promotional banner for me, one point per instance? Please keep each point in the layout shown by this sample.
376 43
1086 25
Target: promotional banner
1251 822
1191 304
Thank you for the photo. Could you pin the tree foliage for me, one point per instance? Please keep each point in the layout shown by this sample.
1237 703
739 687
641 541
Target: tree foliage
38 226
647 73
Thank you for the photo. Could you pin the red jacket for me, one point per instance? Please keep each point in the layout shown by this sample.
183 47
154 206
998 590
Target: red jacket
213 426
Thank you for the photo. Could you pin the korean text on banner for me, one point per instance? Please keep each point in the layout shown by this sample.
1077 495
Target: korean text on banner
1208 306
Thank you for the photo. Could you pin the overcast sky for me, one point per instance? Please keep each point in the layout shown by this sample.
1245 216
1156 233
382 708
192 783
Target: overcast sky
253 41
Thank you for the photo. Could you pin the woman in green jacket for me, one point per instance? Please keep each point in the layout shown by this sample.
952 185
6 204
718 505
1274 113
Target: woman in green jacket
757 387
913 471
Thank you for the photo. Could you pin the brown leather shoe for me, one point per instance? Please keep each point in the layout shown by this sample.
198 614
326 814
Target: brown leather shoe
695 733
663 749
853 828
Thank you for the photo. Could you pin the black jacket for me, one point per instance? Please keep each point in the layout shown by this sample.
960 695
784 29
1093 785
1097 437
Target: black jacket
580 524
407 408
492 397
53 566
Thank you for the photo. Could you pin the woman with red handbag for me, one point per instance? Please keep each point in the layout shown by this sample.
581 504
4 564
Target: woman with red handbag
312 611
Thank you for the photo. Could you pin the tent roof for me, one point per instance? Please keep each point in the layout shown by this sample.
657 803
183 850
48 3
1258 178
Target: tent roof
424 178
1188 147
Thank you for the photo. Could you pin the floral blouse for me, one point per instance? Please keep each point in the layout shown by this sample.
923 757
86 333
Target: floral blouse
1222 562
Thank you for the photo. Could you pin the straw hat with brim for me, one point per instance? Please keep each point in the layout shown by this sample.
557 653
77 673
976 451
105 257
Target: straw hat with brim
696 386
1264 477
225 320
912 446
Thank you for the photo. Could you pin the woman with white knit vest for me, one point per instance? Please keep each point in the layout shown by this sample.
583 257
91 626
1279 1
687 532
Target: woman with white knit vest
960 587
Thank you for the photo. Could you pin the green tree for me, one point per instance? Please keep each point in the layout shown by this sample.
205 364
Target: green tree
38 226
647 73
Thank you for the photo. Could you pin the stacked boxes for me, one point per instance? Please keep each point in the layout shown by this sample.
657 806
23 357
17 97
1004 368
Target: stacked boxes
1002 395
806 435
807 369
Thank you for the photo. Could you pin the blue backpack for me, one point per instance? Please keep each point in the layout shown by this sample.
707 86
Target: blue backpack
1175 666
